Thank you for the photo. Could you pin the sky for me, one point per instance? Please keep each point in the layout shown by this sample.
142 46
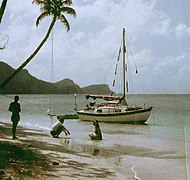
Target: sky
158 32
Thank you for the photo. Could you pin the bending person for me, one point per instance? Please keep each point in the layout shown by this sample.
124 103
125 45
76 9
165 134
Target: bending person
97 134
58 128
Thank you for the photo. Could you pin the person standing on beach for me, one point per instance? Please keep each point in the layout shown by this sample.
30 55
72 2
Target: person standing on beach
98 134
15 118
58 128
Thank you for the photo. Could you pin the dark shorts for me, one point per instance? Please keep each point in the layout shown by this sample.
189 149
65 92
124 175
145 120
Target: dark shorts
57 132
15 118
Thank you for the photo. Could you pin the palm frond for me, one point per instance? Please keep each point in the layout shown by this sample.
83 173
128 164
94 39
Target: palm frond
64 21
68 2
68 10
38 2
45 4
41 16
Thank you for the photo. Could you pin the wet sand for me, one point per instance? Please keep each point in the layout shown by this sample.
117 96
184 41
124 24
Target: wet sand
57 161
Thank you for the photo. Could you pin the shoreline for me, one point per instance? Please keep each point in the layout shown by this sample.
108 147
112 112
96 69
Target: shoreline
157 151
66 158
55 161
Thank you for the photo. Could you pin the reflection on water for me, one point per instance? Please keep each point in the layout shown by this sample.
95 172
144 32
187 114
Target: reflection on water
70 145
116 160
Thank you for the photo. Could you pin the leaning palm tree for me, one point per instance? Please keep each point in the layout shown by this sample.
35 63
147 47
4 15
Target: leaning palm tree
55 8
2 9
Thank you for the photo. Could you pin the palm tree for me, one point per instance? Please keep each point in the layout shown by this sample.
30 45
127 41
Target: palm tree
2 9
56 9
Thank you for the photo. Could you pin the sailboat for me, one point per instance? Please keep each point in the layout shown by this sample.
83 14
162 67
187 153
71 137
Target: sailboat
116 108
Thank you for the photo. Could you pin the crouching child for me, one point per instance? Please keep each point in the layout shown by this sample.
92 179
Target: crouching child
58 128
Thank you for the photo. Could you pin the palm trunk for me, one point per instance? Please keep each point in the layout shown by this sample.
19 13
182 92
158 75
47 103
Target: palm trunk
30 57
2 9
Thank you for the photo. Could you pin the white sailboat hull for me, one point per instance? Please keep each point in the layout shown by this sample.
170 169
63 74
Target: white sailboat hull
137 116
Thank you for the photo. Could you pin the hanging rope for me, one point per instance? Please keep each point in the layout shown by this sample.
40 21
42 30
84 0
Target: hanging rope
129 47
51 110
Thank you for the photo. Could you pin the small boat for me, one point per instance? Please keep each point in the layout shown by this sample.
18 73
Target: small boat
116 109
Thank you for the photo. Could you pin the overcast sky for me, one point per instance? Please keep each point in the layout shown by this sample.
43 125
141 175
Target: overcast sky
158 32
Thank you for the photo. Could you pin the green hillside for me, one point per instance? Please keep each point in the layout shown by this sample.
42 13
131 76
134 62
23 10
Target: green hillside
25 83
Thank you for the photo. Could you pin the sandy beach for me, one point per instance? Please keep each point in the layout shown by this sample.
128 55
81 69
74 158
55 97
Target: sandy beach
53 161
158 150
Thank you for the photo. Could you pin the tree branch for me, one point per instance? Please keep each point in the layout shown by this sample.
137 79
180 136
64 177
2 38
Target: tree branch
3 41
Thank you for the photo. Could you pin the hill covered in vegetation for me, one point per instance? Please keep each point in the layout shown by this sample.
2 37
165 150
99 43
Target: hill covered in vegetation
25 83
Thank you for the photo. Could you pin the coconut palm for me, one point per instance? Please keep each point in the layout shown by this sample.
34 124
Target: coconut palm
55 8
2 9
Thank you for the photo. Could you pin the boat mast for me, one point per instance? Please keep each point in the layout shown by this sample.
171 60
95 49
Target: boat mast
124 67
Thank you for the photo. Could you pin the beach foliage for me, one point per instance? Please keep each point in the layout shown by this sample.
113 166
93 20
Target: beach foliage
17 161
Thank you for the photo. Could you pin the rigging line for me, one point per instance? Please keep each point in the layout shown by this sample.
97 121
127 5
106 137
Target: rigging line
52 60
111 64
129 72
130 49
119 75
118 64
52 99
186 155
134 99
106 74
141 84
120 78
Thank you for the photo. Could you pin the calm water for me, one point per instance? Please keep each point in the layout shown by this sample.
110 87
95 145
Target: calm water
158 150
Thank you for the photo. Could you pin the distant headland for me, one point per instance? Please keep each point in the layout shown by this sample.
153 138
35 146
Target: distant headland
25 83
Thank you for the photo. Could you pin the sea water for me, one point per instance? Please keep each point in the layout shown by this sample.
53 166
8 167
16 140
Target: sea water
159 149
